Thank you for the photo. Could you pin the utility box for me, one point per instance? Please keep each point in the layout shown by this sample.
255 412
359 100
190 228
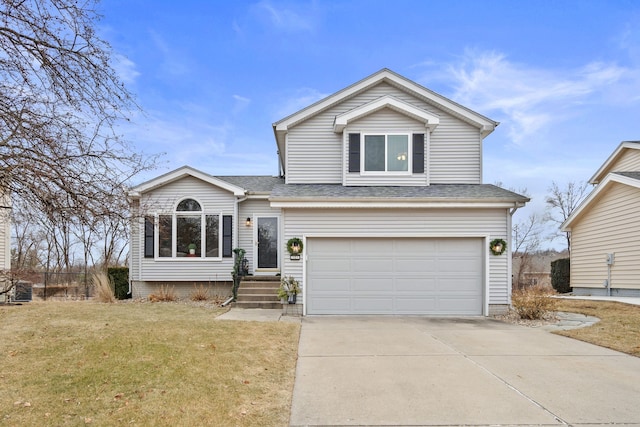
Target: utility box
611 258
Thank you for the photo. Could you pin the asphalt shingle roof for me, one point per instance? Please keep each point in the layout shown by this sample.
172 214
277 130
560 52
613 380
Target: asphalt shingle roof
254 184
634 175
459 192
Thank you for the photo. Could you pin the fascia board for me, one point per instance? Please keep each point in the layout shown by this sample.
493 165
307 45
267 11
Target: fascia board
181 173
387 101
393 205
611 159
586 203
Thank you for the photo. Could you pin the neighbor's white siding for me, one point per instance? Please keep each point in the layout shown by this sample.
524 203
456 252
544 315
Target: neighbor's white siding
612 225
252 208
163 201
5 233
315 153
490 223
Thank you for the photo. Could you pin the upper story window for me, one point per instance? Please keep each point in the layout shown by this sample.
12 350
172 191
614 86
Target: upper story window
386 153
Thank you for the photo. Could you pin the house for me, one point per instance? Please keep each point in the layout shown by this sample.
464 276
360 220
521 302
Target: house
382 184
5 240
605 228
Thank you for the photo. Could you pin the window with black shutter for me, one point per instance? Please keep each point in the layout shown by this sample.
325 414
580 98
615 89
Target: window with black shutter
418 153
227 236
354 152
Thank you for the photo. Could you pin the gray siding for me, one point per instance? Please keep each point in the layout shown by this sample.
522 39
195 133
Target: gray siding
403 223
164 200
315 153
612 225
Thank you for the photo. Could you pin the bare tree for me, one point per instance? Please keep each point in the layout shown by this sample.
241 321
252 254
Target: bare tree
561 202
526 239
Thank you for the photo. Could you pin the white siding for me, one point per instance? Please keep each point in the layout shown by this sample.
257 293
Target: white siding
490 223
315 152
250 209
612 225
5 233
164 200
629 161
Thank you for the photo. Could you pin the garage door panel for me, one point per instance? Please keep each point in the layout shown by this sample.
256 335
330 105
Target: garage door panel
394 276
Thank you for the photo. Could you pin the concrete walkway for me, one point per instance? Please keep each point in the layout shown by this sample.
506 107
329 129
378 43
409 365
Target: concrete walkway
427 371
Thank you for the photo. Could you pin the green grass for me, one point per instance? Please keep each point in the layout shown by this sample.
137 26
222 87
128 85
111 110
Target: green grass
78 363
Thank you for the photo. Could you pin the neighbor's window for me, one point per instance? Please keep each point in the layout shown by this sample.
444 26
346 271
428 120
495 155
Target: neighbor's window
189 232
386 153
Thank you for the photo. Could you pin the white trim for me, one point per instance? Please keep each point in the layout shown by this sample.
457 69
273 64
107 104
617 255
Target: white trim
341 121
278 267
174 230
610 178
632 145
180 173
487 275
427 157
392 205
363 155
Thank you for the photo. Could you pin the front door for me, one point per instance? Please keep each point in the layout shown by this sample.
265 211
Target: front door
267 241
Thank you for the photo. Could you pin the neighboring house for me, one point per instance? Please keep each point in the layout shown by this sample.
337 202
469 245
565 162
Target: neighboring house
5 240
605 229
382 182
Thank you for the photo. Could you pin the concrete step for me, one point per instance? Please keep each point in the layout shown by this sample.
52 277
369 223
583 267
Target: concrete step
253 291
263 285
257 304
258 297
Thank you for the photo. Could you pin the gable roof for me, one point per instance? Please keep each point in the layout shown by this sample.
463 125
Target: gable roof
446 195
604 169
180 173
627 178
281 127
254 184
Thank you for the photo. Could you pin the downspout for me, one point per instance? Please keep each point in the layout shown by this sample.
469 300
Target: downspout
509 247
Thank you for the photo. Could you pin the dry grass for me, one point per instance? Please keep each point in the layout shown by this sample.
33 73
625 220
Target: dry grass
103 289
165 294
618 329
77 363
199 293
533 302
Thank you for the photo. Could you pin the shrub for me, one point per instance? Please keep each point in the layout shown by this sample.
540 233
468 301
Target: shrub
199 293
103 288
560 275
533 302
120 278
164 294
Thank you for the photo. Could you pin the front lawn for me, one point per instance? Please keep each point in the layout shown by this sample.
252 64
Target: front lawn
78 363
618 329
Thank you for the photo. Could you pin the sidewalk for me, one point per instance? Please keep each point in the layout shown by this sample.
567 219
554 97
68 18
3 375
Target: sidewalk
626 300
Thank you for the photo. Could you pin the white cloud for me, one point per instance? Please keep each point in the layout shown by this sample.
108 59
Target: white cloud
526 98
285 17
302 98
125 68
240 103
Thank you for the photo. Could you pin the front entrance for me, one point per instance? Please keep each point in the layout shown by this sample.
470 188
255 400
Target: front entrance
267 242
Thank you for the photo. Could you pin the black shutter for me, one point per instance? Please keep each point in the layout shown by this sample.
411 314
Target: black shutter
227 236
354 152
418 153
148 236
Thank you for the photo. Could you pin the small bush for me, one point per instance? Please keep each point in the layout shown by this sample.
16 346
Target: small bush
560 275
199 293
164 294
103 288
120 278
533 302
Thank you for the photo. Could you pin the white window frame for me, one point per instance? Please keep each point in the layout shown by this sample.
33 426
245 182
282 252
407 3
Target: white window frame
203 213
363 154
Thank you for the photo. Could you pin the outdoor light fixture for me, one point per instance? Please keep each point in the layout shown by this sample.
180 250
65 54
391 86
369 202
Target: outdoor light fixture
248 221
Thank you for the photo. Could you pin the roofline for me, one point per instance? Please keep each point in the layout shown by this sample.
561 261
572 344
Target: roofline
612 158
172 176
610 178
386 203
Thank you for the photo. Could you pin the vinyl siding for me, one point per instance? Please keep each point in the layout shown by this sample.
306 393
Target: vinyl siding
5 233
407 223
315 154
164 200
612 225
629 161
250 209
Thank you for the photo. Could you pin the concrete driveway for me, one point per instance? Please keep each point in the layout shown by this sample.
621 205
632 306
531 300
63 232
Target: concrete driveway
425 371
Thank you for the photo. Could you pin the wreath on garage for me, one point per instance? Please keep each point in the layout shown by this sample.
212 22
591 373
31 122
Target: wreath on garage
497 246
294 246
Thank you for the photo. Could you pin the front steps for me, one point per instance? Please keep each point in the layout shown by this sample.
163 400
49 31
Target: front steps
258 292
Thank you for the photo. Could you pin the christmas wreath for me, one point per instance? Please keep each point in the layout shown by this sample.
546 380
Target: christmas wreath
497 246
294 246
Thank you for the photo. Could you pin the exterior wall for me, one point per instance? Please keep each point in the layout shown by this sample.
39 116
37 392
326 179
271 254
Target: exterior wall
219 291
164 200
629 161
612 225
490 223
5 233
252 208
315 153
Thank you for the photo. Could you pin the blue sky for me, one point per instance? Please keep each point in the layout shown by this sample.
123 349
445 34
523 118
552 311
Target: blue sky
562 77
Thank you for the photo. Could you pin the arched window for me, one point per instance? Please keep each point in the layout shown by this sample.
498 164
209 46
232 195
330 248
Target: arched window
189 232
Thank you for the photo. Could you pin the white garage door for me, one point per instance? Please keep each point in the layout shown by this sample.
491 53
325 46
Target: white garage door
394 276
